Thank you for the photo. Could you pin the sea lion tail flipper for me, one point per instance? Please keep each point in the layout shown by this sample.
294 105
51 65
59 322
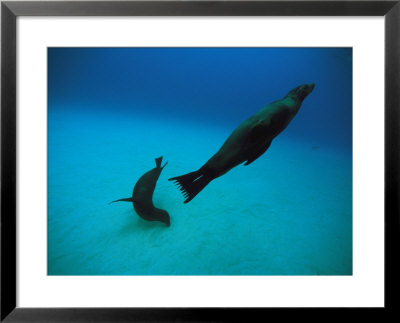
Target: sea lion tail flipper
191 184
158 161
123 200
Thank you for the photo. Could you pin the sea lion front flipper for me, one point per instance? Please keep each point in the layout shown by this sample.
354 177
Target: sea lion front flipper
130 199
257 133
257 154
262 130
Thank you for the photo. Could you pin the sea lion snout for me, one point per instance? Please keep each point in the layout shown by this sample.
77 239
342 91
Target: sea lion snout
302 91
307 88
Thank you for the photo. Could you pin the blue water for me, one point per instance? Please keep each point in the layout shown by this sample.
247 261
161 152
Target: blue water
112 111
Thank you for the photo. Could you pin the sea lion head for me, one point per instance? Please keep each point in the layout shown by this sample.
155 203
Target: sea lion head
163 217
302 91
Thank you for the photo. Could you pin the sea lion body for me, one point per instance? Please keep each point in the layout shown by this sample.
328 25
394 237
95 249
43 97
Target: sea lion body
242 146
142 196
247 142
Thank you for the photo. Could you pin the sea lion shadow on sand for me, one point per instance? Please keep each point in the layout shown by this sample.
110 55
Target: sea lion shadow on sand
142 196
137 225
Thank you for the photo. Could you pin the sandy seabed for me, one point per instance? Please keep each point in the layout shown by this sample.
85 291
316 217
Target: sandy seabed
288 213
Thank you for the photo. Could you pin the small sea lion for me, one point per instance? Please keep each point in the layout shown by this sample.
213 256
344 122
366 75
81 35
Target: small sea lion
142 196
247 142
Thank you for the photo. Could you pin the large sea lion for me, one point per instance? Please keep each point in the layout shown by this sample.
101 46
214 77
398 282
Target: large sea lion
247 142
142 196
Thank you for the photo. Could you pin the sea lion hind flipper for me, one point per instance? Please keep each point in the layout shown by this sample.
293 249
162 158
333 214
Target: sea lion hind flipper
130 199
191 184
158 161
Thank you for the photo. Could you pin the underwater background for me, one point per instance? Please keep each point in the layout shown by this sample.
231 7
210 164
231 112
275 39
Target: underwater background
112 111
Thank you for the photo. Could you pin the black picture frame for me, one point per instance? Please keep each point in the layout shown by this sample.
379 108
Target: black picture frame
10 10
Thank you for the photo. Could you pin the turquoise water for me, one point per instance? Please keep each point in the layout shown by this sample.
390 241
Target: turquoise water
113 111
